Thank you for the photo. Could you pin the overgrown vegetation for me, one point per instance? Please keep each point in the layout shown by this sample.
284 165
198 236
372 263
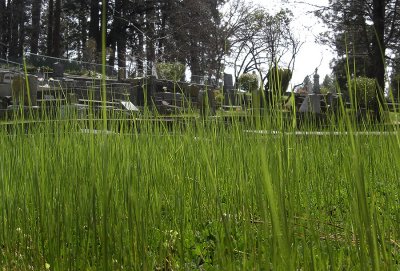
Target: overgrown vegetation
364 92
278 80
171 71
248 82
144 198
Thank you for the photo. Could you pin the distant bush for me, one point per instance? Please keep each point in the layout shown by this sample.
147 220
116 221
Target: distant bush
170 71
364 91
395 87
278 80
219 97
248 82
324 90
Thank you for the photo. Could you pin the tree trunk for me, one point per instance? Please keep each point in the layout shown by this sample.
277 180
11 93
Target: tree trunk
120 21
140 54
150 48
378 54
50 23
6 29
13 33
16 16
35 31
3 26
83 25
57 30
112 45
94 29
21 27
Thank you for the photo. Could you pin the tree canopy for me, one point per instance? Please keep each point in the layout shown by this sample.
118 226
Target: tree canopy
201 34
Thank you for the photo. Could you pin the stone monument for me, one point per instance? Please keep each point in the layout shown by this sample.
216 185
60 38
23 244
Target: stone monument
316 87
24 90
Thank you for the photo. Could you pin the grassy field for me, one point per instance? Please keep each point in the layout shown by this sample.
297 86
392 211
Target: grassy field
209 197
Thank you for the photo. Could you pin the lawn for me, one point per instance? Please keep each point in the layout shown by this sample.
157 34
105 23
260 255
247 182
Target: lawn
208 197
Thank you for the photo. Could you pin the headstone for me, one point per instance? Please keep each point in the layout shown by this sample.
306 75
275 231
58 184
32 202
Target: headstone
58 69
2 76
5 89
311 104
23 94
228 88
228 81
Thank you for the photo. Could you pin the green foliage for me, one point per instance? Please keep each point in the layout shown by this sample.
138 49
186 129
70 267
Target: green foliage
170 71
78 200
206 195
219 97
364 91
278 80
31 69
395 86
248 82
324 90
328 85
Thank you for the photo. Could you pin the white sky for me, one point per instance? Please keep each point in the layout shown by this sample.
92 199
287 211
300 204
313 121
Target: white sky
312 54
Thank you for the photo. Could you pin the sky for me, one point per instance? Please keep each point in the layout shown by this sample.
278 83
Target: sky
312 54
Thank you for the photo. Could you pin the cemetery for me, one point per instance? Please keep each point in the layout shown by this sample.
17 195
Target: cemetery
164 97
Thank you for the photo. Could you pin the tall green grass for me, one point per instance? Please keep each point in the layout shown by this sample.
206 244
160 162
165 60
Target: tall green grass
198 195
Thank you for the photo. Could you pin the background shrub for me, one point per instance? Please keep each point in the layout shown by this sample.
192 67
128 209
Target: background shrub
170 71
364 91
278 80
395 87
248 82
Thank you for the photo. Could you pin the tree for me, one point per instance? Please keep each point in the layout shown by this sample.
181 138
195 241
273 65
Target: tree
50 27
363 31
395 79
57 50
3 29
76 14
150 35
328 85
35 29
16 33
248 82
264 41
94 24
307 84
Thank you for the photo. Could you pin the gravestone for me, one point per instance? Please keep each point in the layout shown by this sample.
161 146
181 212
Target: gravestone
23 94
58 70
228 88
228 82
311 104
5 89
